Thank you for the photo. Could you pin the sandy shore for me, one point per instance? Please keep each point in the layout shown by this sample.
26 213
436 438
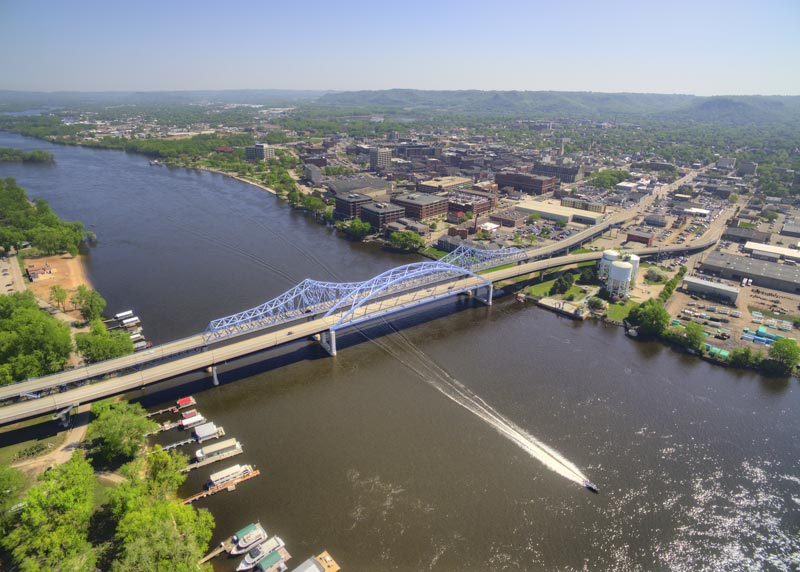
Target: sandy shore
66 271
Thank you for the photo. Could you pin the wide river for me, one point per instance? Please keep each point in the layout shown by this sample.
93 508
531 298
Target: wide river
450 439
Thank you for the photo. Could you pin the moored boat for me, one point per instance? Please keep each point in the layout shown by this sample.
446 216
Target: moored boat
258 553
248 537
591 486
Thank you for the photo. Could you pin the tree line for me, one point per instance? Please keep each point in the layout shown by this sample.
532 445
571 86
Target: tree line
143 525
18 156
33 221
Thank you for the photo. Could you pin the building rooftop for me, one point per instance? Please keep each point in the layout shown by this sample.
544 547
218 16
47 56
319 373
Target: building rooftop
789 253
421 199
745 265
710 284
352 197
382 208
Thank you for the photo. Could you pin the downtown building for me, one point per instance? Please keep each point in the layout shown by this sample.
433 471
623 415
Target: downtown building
259 152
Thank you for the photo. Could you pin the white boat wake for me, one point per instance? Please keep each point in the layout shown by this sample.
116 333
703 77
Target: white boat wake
457 392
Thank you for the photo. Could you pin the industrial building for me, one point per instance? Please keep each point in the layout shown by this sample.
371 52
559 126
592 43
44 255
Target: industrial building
421 206
771 252
656 220
638 236
380 214
743 235
792 230
763 273
712 290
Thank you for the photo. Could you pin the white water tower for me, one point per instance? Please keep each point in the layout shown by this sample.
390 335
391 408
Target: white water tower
619 278
609 257
634 260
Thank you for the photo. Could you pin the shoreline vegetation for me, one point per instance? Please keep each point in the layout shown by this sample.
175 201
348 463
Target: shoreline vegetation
8 155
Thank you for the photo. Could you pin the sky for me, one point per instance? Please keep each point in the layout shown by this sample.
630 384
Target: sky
701 47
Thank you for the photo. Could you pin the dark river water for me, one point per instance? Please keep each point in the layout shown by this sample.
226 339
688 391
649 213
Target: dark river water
449 439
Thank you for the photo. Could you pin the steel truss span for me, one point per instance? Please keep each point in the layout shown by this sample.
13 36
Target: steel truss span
472 258
313 298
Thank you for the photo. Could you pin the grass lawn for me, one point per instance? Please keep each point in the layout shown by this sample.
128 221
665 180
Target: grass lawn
44 431
541 289
432 252
620 312
581 251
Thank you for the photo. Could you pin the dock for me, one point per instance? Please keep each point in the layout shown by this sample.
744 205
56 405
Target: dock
229 486
164 427
205 462
224 547
171 409
178 444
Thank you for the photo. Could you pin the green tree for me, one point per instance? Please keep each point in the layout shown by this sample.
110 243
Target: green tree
32 343
356 229
101 344
164 472
650 318
742 357
58 296
89 303
163 536
785 353
533 217
596 303
695 337
11 483
406 240
118 429
51 532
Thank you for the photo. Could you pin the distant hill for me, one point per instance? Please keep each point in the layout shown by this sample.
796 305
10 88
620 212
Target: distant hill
40 99
590 105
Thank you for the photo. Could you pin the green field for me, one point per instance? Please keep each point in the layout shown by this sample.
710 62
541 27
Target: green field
45 435
620 312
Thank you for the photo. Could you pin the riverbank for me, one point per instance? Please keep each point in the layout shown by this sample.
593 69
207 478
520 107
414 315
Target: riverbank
232 176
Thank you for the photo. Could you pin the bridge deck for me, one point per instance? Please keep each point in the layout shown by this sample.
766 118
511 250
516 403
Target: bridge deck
297 330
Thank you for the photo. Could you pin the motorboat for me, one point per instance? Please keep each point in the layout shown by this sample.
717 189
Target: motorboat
591 486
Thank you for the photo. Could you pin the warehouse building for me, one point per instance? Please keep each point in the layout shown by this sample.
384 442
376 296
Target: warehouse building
742 235
762 272
711 290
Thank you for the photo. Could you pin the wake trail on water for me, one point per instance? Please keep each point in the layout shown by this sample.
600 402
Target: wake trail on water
428 370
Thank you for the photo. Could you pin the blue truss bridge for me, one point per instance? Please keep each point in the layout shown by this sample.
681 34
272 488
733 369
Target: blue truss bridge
311 309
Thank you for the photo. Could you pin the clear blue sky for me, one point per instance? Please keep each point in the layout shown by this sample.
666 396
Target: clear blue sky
702 47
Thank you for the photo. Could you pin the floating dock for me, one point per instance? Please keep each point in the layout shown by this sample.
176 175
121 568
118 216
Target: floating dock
229 486
205 462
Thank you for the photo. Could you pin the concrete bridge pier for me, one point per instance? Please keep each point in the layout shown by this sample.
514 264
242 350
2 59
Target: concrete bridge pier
488 299
327 340
214 377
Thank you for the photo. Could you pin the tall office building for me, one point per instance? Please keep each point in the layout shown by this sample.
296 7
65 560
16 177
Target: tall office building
379 159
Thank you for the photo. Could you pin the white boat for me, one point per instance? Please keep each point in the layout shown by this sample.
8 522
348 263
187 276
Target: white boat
257 553
249 537
226 475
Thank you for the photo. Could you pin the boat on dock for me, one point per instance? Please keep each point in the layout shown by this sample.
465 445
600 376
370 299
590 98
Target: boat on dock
227 484
258 553
207 431
124 315
249 537
182 403
228 475
274 562
218 449
191 419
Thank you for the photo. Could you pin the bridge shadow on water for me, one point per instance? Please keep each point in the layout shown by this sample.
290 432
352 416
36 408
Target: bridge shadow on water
303 350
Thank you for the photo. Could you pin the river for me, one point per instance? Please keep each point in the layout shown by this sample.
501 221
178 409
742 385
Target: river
448 439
